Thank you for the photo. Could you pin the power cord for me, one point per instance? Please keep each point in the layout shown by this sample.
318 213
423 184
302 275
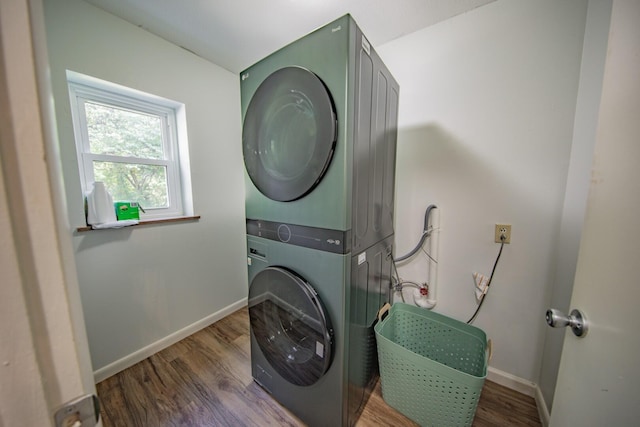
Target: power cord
484 294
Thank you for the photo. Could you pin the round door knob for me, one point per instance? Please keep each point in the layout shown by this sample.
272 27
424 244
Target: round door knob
576 320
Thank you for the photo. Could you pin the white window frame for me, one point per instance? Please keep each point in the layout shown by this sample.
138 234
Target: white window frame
84 89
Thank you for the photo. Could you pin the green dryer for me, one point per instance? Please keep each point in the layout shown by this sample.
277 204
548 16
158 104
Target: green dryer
319 135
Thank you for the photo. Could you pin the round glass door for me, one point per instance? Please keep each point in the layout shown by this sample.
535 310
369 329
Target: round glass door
289 134
290 325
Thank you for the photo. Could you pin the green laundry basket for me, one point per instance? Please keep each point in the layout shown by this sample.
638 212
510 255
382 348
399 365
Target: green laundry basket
432 367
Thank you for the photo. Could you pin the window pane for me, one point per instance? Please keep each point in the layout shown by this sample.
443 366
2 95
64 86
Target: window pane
145 184
119 132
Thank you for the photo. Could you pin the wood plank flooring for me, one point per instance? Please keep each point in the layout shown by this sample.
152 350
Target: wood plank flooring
205 380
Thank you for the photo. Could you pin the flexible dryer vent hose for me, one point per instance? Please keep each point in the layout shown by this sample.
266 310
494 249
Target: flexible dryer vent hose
425 234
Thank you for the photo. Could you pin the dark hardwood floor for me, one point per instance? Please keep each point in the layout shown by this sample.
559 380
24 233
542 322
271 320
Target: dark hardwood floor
205 380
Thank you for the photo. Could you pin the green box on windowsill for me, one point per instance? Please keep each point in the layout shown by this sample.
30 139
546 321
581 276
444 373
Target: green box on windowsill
127 210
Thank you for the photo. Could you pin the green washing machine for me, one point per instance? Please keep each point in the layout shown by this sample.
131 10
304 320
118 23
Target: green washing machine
319 145
310 310
319 135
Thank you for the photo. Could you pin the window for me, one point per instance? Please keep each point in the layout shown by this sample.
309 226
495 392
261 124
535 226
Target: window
134 142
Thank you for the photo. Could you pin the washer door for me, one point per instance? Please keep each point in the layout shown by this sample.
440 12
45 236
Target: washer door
289 134
290 325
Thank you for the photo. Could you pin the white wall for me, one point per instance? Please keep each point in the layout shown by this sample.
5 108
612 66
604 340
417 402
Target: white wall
487 106
141 285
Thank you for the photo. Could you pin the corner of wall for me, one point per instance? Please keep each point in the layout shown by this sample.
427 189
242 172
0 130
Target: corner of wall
523 386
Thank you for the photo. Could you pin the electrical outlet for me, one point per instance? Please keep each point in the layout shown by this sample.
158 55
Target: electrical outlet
503 229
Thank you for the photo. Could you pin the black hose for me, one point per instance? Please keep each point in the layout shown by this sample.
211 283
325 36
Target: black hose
425 234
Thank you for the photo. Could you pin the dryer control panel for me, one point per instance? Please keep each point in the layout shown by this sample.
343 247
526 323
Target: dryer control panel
335 241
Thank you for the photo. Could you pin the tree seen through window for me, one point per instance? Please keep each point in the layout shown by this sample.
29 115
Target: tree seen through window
128 138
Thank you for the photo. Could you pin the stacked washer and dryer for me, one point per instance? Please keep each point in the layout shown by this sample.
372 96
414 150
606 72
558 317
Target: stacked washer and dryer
319 143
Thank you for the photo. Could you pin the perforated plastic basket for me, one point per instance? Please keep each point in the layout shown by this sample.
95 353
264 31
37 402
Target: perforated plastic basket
432 367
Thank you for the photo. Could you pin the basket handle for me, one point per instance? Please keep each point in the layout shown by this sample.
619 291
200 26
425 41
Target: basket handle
384 309
489 350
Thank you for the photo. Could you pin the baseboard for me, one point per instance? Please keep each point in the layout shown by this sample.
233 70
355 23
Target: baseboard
543 410
511 381
138 356
523 386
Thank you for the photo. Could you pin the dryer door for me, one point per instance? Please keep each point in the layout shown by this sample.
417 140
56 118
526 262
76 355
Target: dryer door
290 325
289 134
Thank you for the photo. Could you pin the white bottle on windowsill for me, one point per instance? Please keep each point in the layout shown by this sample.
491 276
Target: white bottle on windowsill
100 208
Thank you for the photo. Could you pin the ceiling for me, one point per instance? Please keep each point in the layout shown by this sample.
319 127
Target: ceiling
237 33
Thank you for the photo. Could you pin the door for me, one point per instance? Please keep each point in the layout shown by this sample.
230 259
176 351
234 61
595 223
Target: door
290 325
289 134
599 377
44 352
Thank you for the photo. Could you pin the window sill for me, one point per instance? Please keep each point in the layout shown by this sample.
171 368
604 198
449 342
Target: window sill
143 223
